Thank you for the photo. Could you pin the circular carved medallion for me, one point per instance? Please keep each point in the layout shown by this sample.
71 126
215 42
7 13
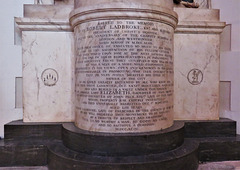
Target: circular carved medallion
195 76
49 77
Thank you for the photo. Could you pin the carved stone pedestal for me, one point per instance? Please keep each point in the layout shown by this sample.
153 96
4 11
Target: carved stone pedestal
160 150
124 90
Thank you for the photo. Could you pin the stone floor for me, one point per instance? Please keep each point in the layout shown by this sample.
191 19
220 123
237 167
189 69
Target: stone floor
227 165
25 168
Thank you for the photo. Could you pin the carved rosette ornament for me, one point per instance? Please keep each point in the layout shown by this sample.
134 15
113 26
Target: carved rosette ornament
124 65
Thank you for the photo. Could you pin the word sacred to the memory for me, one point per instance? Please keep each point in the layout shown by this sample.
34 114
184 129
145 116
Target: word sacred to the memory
124 75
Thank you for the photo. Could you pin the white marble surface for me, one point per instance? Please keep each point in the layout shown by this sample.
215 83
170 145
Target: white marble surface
192 14
38 24
197 72
196 47
124 67
47 97
200 100
48 63
44 2
163 3
47 11
148 103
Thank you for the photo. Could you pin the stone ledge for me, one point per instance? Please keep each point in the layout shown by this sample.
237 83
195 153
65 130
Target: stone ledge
34 24
19 129
210 128
219 148
200 27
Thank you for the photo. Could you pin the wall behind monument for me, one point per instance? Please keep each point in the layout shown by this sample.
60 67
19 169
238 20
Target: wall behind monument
230 59
10 61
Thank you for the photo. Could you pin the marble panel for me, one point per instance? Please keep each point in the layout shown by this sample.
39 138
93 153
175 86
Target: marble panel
47 76
197 14
47 11
196 76
196 65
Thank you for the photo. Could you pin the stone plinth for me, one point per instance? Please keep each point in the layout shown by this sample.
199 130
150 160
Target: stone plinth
124 65
48 62
196 64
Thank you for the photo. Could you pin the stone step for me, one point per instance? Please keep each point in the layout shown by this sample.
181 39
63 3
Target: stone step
193 129
39 144
62 158
33 152
19 129
210 128
219 148
26 152
25 168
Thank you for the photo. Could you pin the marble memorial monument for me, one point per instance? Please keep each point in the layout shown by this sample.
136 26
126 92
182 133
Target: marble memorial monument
121 68
118 73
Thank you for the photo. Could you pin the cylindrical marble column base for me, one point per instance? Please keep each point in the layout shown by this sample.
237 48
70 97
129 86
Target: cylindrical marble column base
158 150
132 144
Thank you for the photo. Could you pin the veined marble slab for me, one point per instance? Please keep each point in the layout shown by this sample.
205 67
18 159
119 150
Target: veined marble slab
196 65
47 11
47 76
48 62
